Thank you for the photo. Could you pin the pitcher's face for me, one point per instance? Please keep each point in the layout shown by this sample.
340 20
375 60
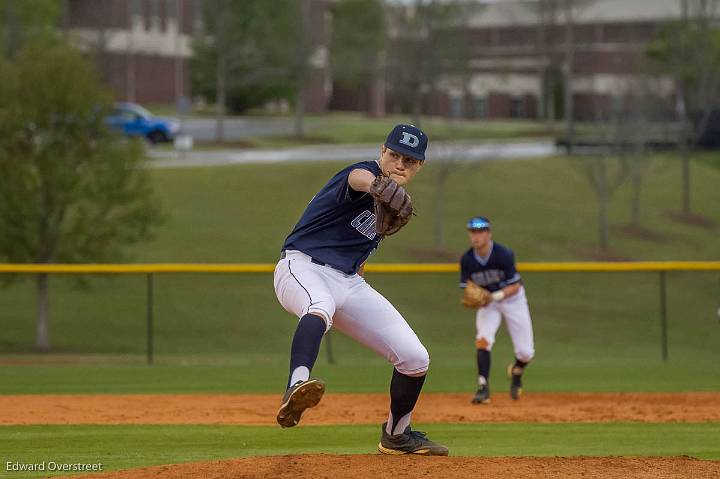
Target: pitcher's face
400 168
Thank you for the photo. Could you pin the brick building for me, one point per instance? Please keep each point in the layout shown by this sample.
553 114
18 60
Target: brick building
517 63
518 57
141 47
518 54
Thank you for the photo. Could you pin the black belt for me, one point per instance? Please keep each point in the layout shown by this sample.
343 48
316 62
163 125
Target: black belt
312 260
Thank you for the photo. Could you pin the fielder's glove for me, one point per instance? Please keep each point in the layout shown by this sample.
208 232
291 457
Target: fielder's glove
393 205
475 297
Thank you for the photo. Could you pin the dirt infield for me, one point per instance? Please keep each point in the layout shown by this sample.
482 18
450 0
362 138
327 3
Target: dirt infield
260 409
238 409
376 466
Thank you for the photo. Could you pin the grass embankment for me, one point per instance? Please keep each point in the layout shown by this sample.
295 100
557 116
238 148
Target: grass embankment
227 332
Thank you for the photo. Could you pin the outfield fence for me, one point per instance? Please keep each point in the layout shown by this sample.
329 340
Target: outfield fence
151 269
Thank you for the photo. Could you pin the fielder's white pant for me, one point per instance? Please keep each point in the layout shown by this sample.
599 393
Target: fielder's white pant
352 306
517 319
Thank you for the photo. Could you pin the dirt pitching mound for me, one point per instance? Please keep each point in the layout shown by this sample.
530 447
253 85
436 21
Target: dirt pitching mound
260 409
375 466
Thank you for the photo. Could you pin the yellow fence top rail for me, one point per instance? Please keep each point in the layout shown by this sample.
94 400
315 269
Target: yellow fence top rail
569 267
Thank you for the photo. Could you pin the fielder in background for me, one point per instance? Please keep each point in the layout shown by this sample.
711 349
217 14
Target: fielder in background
493 287
319 279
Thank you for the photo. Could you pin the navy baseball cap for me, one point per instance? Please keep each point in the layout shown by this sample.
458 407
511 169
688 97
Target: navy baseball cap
408 140
478 223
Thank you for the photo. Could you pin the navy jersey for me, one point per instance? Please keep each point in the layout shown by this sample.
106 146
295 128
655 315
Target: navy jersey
338 226
492 272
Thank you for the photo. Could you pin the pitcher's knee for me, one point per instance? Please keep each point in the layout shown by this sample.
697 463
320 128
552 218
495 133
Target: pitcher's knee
414 363
325 310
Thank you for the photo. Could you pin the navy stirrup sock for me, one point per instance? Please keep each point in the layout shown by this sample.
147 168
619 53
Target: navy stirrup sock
404 393
306 342
519 364
483 363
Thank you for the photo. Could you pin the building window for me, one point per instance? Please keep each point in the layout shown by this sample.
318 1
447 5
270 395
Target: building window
136 7
198 16
154 15
479 107
171 9
155 8
517 107
456 106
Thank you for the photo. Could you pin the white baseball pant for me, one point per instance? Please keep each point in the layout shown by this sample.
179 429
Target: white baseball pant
516 312
352 306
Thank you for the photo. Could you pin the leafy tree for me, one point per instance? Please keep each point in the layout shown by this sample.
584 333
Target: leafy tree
636 125
688 50
359 40
25 19
605 173
431 44
251 51
69 190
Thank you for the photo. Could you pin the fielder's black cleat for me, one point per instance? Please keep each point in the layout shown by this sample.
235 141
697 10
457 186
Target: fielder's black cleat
409 442
297 399
515 374
482 395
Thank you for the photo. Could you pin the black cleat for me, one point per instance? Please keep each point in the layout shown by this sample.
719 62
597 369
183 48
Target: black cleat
482 395
515 374
297 399
409 442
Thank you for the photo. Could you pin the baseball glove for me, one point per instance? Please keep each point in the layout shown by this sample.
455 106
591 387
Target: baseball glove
475 297
393 205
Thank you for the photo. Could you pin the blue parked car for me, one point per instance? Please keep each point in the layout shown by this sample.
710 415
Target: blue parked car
133 120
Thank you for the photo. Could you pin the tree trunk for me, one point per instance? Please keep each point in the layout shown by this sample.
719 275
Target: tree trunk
377 87
305 52
603 199
439 239
685 141
221 98
42 338
178 60
221 74
300 111
130 70
417 109
569 66
635 207
13 33
685 180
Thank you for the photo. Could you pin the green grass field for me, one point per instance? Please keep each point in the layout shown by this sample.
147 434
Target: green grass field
123 447
225 214
227 333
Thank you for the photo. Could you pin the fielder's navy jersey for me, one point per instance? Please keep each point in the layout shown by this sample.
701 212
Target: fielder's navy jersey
338 225
492 272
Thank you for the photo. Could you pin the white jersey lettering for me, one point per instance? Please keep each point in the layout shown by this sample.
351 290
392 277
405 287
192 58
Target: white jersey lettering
365 224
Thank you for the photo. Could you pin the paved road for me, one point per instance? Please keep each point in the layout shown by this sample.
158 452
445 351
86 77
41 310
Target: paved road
439 151
203 129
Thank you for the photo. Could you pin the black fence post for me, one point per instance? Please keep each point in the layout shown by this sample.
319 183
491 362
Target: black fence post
663 317
150 305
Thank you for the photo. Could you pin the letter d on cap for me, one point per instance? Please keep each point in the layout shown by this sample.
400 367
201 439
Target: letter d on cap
409 139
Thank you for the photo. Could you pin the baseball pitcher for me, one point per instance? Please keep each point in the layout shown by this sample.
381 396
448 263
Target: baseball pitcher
319 280
493 287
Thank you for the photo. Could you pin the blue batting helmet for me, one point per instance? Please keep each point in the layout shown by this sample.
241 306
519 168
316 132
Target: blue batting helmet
478 223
